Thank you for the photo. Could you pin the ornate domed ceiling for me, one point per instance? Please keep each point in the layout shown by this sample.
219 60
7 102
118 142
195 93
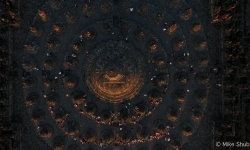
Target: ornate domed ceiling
114 67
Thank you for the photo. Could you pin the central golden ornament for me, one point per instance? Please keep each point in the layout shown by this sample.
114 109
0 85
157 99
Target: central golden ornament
115 71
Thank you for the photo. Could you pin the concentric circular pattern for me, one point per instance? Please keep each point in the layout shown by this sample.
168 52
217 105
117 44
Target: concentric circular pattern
116 73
